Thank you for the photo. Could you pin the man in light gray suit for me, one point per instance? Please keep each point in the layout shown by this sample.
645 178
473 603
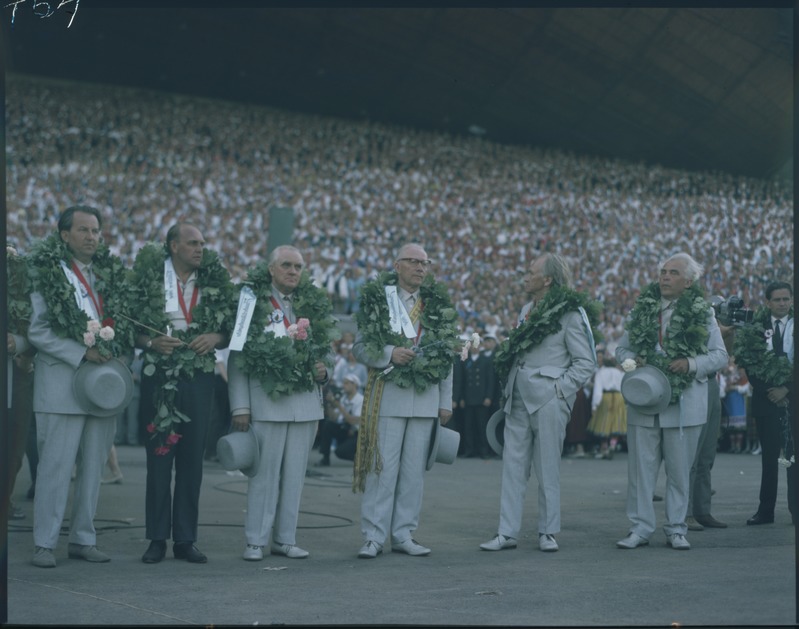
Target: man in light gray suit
65 432
541 387
656 335
392 498
285 425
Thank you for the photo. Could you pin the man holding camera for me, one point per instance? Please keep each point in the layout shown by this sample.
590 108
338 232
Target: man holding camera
765 350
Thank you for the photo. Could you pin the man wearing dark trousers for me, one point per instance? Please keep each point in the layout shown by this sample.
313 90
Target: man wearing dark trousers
771 336
177 385
476 395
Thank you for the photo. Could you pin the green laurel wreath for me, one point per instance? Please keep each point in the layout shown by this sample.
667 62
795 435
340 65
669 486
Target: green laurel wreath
214 313
66 319
18 294
686 335
750 352
282 365
544 320
439 321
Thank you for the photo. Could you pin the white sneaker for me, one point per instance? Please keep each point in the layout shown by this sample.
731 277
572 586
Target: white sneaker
289 550
547 543
370 550
678 542
499 542
253 553
410 547
632 541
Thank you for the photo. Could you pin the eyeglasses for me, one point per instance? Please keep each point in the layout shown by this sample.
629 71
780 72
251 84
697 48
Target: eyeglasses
415 262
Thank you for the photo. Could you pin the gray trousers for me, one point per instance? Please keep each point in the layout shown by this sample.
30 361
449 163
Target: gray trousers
647 447
392 499
64 440
699 488
532 439
274 493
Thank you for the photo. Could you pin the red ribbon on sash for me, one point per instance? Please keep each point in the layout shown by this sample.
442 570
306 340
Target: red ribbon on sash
187 313
97 301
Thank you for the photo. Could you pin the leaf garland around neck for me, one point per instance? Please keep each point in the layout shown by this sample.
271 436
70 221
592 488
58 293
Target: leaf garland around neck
686 335
750 352
19 293
66 319
439 321
282 365
214 313
544 320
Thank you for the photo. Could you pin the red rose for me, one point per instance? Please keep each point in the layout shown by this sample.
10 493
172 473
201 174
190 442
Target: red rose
109 322
173 439
151 427
162 450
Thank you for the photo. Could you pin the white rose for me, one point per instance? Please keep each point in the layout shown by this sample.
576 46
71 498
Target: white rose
107 333
88 339
475 340
628 365
93 326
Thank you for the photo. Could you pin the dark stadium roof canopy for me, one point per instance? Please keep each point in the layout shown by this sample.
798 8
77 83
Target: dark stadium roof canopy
695 88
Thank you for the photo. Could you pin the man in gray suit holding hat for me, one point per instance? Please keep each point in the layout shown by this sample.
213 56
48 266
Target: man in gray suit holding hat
546 359
275 372
672 333
77 284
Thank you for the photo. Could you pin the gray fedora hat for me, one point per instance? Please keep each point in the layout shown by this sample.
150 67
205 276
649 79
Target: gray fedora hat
495 431
103 389
443 445
646 390
239 451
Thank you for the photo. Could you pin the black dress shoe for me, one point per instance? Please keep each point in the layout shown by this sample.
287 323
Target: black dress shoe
155 552
759 518
709 521
189 552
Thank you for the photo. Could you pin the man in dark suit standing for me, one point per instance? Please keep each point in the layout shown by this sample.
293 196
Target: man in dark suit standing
765 350
194 315
476 395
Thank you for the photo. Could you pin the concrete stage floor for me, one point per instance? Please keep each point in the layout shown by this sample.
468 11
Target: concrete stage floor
742 575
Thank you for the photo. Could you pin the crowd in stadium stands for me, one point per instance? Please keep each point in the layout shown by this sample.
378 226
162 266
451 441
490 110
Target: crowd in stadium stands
484 210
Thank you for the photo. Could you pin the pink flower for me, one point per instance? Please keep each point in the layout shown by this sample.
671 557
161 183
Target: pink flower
107 334
151 427
93 326
302 334
303 323
292 330
162 450
88 339
173 439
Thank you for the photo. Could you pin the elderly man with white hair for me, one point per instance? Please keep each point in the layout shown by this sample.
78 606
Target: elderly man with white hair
670 345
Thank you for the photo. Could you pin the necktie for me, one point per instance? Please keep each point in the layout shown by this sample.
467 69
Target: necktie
777 339
287 307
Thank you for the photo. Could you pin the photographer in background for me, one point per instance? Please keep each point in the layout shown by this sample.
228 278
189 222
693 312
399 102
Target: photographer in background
765 350
346 409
